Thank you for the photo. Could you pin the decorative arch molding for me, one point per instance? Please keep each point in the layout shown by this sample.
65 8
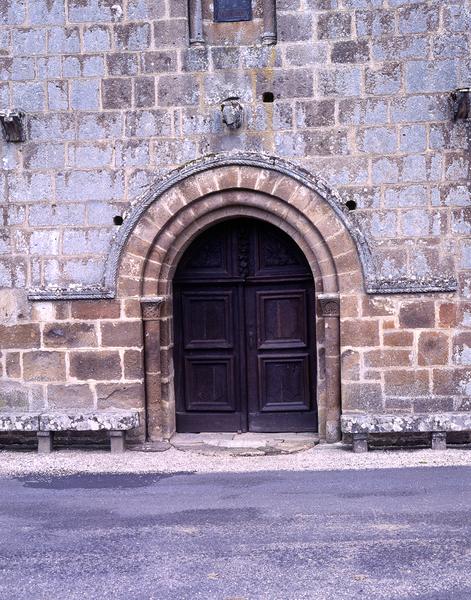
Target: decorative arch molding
263 165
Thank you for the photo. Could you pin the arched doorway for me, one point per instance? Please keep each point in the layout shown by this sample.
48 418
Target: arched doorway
244 328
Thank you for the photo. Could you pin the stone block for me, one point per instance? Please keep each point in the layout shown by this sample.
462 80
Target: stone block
312 113
431 76
340 82
99 126
400 47
89 421
30 96
294 27
97 365
28 42
362 396
159 62
133 364
12 13
350 365
58 95
371 111
171 33
413 138
195 59
417 314
116 93
87 156
62 40
383 358
359 333
70 397
69 335
96 38
433 348
419 18
144 92
116 396
132 36
43 156
95 309
351 51
225 57
122 63
85 94
12 421
412 195
179 90
386 80
462 348
300 55
89 185
334 25
121 333
44 366
375 23
406 382
377 140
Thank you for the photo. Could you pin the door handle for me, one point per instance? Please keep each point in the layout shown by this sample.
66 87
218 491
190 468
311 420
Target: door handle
251 336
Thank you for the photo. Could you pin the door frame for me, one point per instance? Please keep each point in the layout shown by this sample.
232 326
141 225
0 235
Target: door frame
148 247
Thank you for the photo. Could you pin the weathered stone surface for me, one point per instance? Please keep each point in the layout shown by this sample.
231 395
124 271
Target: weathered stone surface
393 423
16 421
93 421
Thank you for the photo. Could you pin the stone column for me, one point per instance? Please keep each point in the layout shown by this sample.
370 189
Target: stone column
329 308
195 20
150 307
269 22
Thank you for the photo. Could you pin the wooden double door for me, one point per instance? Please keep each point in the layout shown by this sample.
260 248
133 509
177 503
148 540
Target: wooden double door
244 332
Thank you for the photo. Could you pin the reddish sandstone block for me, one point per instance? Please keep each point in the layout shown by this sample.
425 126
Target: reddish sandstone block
19 336
44 366
451 381
419 313
13 364
101 365
350 365
349 306
406 383
447 315
96 309
398 338
377 359
121 333
362 396
359 333
69 335
377 307
133 364
433 348
69 396
130 395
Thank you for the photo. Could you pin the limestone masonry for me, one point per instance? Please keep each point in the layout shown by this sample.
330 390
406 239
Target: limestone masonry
343 136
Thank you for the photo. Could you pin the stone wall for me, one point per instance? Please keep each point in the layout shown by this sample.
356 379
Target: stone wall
116 98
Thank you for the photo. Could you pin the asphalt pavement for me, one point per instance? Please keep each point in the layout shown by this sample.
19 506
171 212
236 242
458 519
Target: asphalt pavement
395 534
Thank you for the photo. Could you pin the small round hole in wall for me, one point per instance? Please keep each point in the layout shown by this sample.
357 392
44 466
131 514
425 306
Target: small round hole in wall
351 204
118 220
268 97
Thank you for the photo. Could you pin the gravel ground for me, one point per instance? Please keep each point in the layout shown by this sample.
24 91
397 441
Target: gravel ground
321 458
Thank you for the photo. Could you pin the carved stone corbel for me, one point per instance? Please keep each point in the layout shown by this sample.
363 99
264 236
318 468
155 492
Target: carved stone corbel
150 307
329 305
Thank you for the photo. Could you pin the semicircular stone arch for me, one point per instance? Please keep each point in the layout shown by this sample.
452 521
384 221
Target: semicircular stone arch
163 226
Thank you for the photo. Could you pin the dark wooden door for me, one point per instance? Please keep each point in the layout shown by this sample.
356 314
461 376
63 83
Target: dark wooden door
244 332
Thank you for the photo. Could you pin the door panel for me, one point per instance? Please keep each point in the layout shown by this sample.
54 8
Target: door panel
244 332
283 383
209 383
281 319
208 319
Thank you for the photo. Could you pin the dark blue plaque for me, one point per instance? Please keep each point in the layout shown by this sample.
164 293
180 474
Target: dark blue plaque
232 10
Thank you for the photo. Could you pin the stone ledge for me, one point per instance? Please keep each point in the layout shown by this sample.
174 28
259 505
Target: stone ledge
401 423
93 421
16 421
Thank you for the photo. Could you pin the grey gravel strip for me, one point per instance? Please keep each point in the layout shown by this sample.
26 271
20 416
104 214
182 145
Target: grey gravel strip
320 458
